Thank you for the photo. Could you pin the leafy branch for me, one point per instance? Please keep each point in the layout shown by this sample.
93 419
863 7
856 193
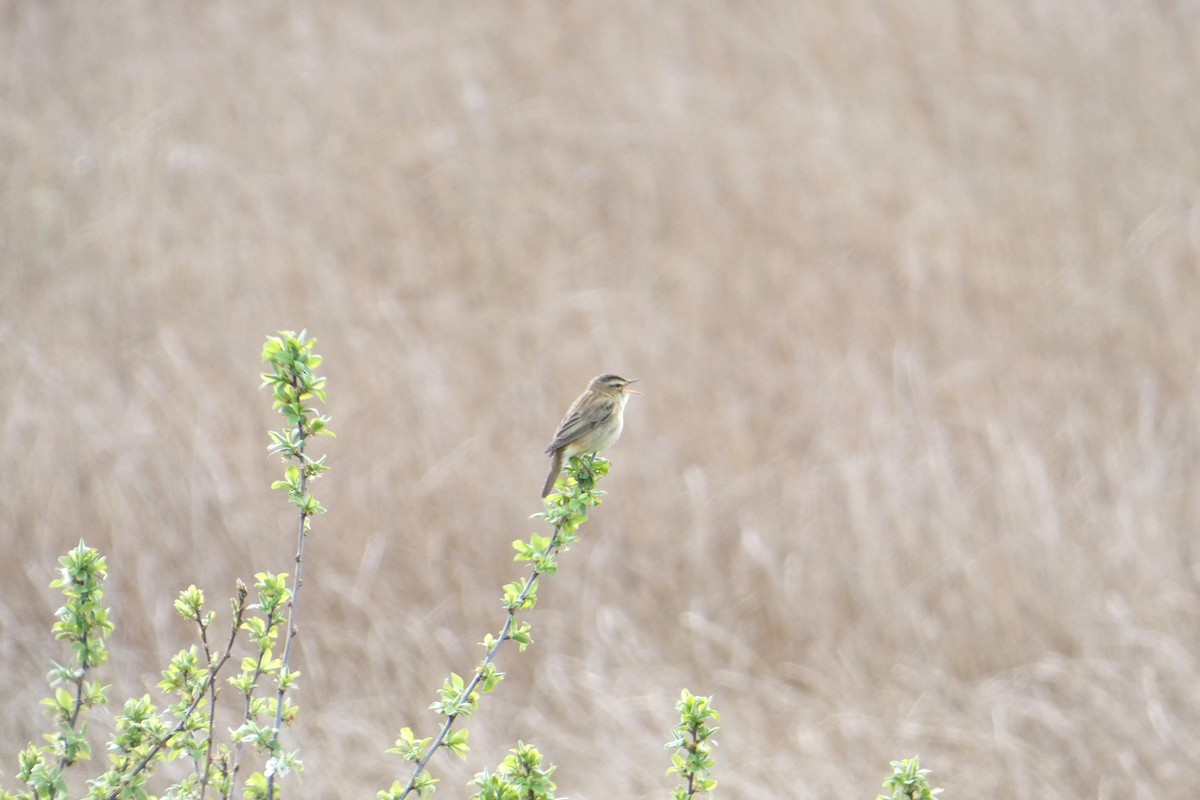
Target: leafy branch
291 360
142 737
693 744
520 776
908 782
139 717
566 510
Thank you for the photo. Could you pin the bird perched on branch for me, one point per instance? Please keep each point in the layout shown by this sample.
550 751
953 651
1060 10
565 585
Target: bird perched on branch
593 423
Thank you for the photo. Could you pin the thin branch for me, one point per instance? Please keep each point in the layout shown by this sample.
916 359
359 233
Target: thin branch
239 607
83 668
187 715
258 672
212 712
505 630
290 635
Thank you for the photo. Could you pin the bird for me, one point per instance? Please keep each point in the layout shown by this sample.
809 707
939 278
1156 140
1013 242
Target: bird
593 423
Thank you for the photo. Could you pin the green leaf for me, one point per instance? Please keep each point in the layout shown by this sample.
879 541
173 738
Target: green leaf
456 742
424 784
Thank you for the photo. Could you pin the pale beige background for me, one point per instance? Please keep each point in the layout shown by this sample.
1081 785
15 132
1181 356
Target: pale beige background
912 289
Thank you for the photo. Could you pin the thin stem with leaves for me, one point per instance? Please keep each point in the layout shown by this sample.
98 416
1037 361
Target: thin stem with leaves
291 360
692 742
909 782
566 510
126 775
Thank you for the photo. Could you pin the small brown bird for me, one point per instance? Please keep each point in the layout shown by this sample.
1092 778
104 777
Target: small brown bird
593 423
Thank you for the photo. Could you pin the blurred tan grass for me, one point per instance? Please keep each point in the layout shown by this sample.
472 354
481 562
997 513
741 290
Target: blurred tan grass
912 292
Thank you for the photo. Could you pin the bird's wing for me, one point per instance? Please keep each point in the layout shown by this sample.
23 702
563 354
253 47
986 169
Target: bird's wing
582 417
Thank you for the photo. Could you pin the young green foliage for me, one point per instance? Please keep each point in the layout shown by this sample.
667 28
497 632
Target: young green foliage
520 776
291 363
267 616
143 735
293 383
908 782
566 510
146 734
83 622
693 744
198 688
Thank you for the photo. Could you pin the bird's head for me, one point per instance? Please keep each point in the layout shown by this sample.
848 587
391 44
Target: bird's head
613 384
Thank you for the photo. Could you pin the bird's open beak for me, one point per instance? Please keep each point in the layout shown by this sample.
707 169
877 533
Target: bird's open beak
627 390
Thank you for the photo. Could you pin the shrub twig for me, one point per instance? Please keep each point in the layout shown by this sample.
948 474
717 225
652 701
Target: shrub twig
566 510
292 361
693 743
184 719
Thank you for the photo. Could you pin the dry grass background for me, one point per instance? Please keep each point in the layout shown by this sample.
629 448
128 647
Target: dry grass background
913 290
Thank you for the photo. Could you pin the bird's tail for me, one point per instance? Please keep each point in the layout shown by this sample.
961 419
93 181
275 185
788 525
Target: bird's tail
555 468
